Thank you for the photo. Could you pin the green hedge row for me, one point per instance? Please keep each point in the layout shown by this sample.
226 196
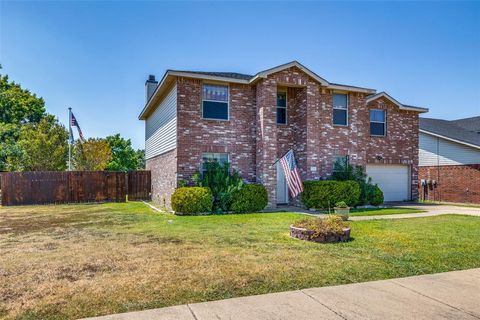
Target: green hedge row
324 194
199 200
250 198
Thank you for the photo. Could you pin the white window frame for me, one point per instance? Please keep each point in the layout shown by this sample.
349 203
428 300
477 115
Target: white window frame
228 100
383 122
286 107
346 109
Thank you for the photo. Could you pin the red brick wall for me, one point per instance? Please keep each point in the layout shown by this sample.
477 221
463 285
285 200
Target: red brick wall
400 145
454 183
196 135
254 140
316 141
163 169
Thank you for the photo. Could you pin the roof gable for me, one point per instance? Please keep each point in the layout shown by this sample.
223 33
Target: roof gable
402 106
263 74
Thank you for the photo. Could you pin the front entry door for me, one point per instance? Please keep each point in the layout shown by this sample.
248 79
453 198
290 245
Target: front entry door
282 188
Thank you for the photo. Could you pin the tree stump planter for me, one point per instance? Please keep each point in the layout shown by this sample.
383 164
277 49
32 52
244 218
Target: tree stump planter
307 235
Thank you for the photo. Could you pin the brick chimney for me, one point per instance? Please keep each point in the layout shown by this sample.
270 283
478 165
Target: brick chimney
150 86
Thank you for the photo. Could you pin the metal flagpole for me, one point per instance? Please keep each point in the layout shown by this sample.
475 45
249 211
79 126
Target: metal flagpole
280 157
70 139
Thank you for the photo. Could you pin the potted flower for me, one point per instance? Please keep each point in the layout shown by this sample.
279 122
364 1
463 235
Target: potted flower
342 209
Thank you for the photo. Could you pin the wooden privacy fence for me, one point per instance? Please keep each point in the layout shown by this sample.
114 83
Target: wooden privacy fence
139 185
44 187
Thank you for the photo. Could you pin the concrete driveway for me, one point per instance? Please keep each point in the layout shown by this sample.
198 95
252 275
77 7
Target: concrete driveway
450 295
430 210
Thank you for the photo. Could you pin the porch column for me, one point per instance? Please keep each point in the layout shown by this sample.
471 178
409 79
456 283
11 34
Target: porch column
266 140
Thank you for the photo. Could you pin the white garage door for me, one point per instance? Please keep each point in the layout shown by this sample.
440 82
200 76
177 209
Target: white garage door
394 180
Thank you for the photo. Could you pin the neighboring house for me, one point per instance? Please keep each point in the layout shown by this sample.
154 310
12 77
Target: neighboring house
449 155
251 121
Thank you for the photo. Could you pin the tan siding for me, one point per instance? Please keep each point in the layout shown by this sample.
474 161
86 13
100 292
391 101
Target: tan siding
161 127
437 151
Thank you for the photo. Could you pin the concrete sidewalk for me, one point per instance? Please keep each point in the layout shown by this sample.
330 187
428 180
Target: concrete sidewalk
450 295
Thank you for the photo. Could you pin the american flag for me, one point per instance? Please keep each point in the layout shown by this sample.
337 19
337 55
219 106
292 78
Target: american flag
74 123
292 175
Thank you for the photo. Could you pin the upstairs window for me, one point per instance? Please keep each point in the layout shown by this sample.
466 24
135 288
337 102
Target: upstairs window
282 108
377 122
340 109
215 102
221 158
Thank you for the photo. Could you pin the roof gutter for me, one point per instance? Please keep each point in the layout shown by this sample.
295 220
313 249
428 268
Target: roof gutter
349 88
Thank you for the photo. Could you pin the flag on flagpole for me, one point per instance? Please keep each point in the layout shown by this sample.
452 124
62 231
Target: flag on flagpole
74 123
292 175
72 140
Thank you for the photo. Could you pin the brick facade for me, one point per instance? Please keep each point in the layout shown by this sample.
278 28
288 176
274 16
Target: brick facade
164 181
453 183
400 146
254 140
196 135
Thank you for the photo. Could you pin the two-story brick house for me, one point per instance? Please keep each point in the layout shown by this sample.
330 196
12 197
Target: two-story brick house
251 121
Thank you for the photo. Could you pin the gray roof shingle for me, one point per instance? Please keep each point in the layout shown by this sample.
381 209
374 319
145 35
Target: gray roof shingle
450 129
470 124
232 75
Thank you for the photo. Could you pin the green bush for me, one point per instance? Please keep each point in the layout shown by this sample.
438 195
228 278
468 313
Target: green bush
324 194
375 197
221 182
369 193
341 204
332 225
250 198
192 200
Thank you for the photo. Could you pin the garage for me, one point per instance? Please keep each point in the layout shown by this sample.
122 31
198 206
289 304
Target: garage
393 180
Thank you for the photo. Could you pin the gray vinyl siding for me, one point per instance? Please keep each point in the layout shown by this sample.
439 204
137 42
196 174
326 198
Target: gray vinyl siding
161 127
437 151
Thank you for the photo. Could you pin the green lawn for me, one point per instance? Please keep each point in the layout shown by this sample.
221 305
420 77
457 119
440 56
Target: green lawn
385 211
61 262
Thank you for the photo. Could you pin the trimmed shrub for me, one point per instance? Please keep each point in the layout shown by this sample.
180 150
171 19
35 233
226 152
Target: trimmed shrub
192 200
341 204
324 194
375 197
250 198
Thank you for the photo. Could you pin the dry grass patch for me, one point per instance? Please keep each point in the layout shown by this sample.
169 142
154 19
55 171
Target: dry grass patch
65 262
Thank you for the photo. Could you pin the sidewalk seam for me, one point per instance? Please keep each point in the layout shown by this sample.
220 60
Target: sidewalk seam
317 301
435 299
191 311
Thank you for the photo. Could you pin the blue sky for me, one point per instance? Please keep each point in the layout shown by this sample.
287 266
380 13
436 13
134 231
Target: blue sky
96 56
